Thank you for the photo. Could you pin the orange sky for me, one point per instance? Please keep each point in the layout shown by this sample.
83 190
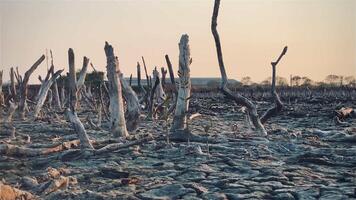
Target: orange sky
321 35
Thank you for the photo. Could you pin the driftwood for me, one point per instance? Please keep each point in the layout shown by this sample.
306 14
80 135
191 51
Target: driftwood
117 117
239 99
23 86
180 118
71 113
132 114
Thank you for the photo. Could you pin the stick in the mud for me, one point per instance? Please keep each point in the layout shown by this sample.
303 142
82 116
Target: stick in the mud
180 118
238 98
170 69
117 117
159 92
82 73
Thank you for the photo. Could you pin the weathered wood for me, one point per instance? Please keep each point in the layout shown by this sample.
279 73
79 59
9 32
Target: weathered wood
141 89
147 78
72 81
46 85
170 69
184 88
150 102
132 114
71 113
12 109
117 117
12 85
238 98
130 81
23 86
55 87
82 73
79 129
159 92
273 111
164 73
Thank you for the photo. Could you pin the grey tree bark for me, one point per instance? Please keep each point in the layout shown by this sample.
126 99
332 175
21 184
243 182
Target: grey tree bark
180 115
159 92
117 117
55 87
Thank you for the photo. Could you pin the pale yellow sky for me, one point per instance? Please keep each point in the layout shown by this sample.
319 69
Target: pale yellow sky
321 34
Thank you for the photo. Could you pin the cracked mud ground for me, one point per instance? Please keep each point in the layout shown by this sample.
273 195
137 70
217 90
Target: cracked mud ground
305 156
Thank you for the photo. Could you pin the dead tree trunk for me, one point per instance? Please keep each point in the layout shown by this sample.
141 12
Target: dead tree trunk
239 99
164 73
12 85
45 86
180 118
147 78
55 87
12 109
71 113
82 73
132 114
170 69
141 89
159 92
23 86
117 117
278 103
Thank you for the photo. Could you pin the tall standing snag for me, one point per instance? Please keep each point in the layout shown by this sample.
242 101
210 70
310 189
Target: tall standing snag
180 118
117 117
239 99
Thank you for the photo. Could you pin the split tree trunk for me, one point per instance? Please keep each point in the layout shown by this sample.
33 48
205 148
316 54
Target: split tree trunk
82 73
46 85
117 117
71 113
23 86
180 115
132 114
239 99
